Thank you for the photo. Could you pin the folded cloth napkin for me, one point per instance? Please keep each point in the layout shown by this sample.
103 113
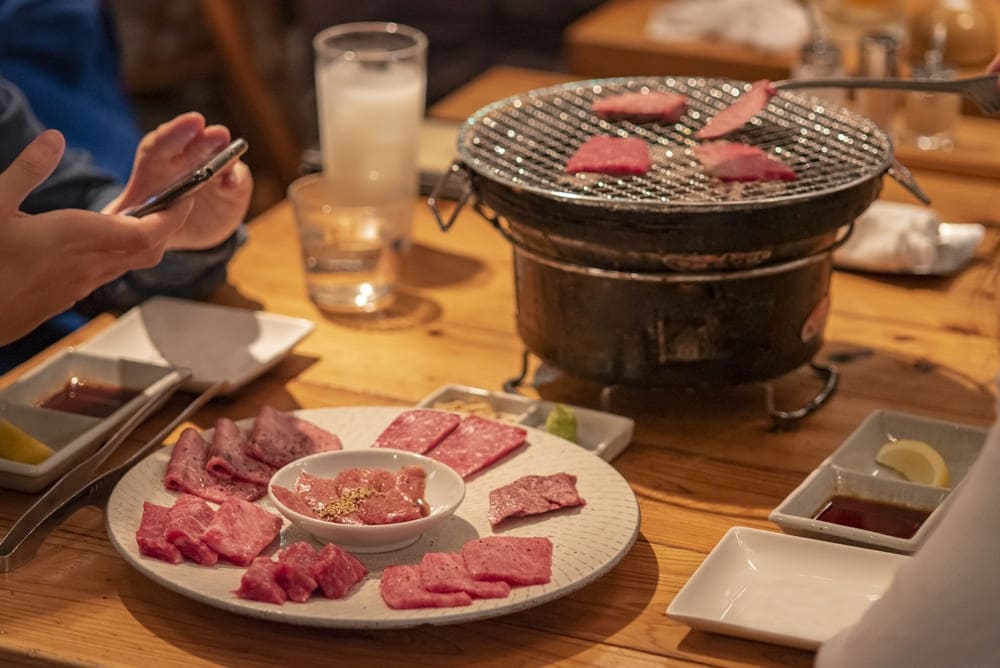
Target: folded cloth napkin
777 25
892 238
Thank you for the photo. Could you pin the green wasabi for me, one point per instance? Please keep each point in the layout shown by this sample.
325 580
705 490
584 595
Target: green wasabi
561 422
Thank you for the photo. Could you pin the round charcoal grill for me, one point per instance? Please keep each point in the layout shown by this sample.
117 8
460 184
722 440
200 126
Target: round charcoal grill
673 277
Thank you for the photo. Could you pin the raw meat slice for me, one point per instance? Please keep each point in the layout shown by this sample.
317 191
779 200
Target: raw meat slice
294 571
519 561
186 473
229 457
445 572
652 106
610 155
318 492
186 524
476 443
417 430
293 501
363 496
149 535
731 161
258 583
401 589
735 116
278 438
240 530
533 495
337 571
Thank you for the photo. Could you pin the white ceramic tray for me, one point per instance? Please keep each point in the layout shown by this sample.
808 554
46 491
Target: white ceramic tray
782 589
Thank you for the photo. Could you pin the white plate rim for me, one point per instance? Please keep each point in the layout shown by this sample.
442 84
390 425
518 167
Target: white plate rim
122 523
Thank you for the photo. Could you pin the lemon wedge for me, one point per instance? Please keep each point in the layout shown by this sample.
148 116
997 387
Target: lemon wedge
914 460
19 446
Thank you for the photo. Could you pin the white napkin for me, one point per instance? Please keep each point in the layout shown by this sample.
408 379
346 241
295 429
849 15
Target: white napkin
777 25
891 237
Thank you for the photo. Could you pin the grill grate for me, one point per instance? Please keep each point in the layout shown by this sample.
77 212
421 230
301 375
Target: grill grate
524 142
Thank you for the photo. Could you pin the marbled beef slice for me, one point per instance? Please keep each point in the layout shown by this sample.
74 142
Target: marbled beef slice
229 457
476 443
735 116
337 571
258 583
186 472
402 589
149 537
641 107
533 495
445 572
519 561
278 438
240 530
417 430
294 571
186 524
602 154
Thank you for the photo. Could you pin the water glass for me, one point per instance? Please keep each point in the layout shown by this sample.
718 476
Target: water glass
351 252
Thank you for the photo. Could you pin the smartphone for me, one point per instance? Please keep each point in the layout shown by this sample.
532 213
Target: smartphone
192 182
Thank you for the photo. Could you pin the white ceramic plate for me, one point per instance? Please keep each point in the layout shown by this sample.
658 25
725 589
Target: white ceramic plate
782 589
234 345
588 541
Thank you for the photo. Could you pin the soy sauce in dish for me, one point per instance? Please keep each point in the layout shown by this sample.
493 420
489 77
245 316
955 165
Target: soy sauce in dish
881 517
86 398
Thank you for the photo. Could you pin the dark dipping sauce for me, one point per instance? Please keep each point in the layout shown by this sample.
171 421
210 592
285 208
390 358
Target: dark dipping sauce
885 518
85 398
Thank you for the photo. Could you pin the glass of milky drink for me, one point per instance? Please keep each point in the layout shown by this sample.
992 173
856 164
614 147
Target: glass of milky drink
370 89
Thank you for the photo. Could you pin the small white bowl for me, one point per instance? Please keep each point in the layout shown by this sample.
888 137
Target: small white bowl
444 492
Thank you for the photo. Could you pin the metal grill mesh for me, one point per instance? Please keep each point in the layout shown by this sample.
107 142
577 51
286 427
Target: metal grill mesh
525 141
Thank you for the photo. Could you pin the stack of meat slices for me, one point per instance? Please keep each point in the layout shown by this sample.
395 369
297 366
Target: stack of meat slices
467 444
237 465
299 570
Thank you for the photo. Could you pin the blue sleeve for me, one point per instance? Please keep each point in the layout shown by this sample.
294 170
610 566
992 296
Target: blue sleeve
78 184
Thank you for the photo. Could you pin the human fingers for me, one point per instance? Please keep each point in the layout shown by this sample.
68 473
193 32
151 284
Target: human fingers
32 166
170 139
994 66
88 231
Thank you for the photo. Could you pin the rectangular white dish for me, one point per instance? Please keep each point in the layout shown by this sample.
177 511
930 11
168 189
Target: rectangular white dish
604 434
782 589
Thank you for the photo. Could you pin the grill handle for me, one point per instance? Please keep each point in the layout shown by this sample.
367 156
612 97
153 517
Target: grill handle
904 177
455 170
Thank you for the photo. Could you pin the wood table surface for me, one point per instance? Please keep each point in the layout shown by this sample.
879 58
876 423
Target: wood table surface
700 463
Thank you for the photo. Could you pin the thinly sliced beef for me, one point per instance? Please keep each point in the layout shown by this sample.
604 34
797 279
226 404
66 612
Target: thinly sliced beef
229 456
186 524
445 572
476 443
293 501
258 583
294 571
385 498
730 161
401 589
736 115
150 538
515 560
278 438
602 154
241 530
533 495
641 107
318 492
417 430
337 571
186 473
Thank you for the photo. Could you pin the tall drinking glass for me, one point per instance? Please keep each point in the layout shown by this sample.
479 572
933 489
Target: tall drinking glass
370 84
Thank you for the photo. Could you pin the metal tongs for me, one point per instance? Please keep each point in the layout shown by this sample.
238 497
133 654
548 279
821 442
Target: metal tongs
77 489
983 90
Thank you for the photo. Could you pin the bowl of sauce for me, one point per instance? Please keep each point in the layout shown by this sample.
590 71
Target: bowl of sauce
884 517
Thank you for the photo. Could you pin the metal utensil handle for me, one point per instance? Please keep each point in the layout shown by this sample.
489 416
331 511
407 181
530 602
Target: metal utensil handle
16 553
784 420
905 178
925 85
456 169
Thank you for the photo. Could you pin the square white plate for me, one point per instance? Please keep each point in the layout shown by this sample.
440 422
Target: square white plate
782 589
602 433
216 342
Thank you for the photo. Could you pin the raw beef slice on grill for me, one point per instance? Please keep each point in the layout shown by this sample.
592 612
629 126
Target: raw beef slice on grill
278 438
294 571
641 107
229 456
518 561
610 155
533 495
186 472
476 443
402 589
730 161
736 115
445 572
241 530
337 570
149 536
258 583
186 524
417 430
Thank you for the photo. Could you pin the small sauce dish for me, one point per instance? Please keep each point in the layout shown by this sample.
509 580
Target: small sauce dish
444 492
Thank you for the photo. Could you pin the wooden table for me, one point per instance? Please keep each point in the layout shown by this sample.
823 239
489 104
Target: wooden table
699 464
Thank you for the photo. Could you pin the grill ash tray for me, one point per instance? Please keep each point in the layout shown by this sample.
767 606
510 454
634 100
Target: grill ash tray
602 433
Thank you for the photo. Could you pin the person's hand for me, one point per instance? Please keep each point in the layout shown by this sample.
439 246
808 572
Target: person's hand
174 149
51 260
994 66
